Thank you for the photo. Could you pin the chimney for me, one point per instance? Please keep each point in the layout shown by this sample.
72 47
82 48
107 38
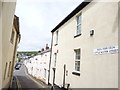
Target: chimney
42 49
47 46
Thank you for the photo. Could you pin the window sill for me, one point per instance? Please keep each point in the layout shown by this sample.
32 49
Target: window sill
77 35
76 73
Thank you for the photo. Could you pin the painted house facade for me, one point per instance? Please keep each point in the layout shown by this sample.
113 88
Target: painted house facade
38 65
10 37
85 47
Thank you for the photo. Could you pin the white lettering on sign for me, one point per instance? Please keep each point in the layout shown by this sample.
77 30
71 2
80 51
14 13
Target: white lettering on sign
106 50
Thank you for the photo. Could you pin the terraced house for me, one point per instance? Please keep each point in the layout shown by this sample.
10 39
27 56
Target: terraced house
38 65
85 47
9 39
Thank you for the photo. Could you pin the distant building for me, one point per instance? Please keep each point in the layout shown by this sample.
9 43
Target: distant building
85 47
38 65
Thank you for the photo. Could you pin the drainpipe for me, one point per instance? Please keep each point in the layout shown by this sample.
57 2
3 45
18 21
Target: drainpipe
14 55
118 43
54 76
50 60
64 76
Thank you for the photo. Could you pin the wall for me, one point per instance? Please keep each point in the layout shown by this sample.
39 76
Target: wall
8 10
97 71
119 45
39 63
0 46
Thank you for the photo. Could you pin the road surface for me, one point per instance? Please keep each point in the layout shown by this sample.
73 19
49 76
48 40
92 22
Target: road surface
25 81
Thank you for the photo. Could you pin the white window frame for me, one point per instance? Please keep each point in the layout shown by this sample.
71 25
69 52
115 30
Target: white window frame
56 37
77 60
79 24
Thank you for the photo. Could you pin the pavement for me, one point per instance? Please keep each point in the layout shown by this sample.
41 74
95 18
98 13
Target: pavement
22 80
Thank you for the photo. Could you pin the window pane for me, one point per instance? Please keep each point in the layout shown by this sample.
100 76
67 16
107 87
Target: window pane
77 60
78 31
78 54
78 68
56 37
78 19
12 36
77 65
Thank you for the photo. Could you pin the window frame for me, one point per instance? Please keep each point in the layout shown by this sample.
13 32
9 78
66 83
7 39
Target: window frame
56 37
9 72
77 72
5 70
12 36
78 31
55 58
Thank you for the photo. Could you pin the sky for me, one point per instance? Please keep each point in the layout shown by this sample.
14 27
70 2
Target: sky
38 17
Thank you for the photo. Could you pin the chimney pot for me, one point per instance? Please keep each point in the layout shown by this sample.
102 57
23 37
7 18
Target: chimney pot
47 46
42 49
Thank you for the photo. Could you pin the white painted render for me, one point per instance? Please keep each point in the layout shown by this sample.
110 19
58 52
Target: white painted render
96 71
37 66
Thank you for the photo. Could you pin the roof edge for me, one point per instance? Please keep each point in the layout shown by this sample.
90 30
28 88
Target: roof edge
75 11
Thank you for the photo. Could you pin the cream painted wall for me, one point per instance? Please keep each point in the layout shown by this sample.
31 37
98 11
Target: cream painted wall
8 10
0 46
119 45
97 71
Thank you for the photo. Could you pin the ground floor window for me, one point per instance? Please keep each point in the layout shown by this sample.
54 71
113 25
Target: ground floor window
77 59
45 72
5 71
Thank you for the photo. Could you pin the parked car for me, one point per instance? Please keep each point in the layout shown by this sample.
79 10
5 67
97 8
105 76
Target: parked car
17 66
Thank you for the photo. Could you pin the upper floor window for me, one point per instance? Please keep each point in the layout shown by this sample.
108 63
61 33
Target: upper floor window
56 42
78 31
12 36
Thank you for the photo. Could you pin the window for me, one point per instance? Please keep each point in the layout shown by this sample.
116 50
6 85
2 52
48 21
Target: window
56 38
77 60
12 36
5 71
78 31
55 57
9 69
45 72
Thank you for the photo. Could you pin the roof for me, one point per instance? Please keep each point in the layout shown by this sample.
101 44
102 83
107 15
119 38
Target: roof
75 11
16 25
45 51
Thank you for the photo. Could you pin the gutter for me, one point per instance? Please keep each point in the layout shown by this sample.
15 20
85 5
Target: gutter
75 11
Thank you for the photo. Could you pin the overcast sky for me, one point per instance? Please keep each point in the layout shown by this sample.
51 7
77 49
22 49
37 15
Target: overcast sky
38 18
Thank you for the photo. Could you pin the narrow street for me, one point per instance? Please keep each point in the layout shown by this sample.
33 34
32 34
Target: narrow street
25 81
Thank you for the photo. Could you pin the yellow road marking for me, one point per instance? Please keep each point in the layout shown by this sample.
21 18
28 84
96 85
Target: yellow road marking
18 84
34 80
